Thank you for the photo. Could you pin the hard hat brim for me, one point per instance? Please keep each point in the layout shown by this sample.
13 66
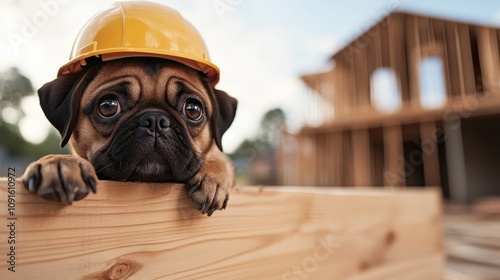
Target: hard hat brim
77 64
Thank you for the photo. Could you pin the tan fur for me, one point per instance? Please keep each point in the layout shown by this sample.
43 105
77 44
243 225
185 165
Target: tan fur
152 89
209 188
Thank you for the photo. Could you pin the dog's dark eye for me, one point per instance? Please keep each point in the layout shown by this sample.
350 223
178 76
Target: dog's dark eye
109 107
193 110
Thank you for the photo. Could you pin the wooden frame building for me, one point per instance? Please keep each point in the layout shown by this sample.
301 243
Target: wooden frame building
413 101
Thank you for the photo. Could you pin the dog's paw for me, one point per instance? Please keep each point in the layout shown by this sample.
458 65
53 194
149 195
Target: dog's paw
210 191
60 178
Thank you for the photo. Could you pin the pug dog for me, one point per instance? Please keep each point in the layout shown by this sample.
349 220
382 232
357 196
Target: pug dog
136 119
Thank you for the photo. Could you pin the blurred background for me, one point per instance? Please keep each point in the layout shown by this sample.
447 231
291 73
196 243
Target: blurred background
395 93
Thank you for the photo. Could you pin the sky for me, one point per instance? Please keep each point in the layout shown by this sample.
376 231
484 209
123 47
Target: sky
262 47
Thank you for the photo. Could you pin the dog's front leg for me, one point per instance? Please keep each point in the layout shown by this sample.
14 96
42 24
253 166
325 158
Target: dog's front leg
60 178
210 187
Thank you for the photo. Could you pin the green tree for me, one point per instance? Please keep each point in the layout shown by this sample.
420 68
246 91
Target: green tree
260 150
13 88
266 139
270 125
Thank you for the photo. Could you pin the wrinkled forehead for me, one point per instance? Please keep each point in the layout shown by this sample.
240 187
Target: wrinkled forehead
146 75
148 66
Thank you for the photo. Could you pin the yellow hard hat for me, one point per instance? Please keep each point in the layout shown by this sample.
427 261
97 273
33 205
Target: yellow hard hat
129 29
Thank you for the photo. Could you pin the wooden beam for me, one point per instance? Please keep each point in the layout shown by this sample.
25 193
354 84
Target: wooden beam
377 155
394 169
399 53
338 158
415 52
430 153
361 155
352 95
442 42
328 153
362 90
485 107
321 171
467 66
458 45
455 158
489 58
348 162
424 27
151 231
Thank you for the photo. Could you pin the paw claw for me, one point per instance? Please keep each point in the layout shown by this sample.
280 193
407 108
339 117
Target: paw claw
92 183
213 205
225 202
50 195
60 178
206 205
211 211
31 184
195 187
69 198
209 194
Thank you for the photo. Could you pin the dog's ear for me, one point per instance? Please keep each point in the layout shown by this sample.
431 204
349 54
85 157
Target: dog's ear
223 115
60 102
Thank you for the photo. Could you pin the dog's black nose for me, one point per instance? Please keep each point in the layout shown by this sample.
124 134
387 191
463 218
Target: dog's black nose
154 122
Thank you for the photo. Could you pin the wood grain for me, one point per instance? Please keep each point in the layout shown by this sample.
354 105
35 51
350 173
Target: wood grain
151 231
